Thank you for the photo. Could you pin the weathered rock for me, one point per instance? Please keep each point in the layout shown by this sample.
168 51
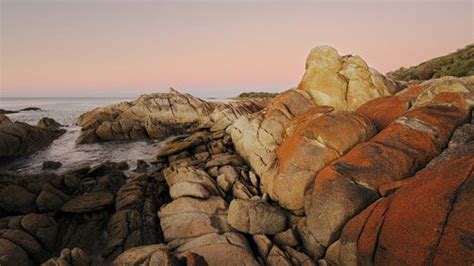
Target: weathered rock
11 254
16 199
135 222
88 202
286 238
312 145
48 123
157 116
213 246
257 137
147 256
70 257
178 145
50 198
427 220
19 139
350 183
34 249
256 217
188 189
4 119
51 165
224 159
107 167
188 217
142 166
384 110
41 227
342 82
189 181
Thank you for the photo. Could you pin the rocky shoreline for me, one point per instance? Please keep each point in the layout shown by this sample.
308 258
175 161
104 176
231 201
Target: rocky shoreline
347 168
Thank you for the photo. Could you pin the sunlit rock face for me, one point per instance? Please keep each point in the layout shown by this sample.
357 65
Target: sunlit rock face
343 82
159 115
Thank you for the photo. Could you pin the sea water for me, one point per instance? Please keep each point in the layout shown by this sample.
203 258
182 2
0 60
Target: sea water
64 149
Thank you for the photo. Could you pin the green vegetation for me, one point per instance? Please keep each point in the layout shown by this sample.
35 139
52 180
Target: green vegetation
458 64
257 95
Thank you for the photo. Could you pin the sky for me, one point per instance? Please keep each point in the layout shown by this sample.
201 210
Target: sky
70 48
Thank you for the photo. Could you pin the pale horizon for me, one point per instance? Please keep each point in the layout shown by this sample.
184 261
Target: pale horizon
209 49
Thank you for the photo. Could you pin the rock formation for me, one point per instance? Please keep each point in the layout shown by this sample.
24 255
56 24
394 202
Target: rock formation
160 115
18 139
331 82
375 177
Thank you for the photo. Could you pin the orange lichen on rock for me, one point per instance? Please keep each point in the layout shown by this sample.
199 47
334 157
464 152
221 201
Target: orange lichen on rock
397 152
323 139
384 110
411 93
428 220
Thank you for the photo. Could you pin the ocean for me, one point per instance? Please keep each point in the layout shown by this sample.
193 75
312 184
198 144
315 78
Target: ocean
64 149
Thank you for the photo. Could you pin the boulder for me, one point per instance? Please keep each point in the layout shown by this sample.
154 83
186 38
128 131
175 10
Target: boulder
19 139
50 198
16 199
191 182
88 202
4 119
213 246
189 218
257 137
147 256
256 217
342 82
51 165
11 254
48 123
312 144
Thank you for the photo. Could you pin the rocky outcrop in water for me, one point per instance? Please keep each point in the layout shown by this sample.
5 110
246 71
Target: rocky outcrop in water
160 115
18 139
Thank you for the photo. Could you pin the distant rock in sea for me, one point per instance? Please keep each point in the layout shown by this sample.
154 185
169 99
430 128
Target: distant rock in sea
3 111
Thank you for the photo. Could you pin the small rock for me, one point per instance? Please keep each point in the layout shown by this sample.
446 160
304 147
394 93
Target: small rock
142 166
50 199
213 171
286 238
48 123
31 109
51 165
224 159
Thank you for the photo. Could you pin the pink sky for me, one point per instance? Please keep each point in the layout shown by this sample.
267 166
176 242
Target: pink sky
210 48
